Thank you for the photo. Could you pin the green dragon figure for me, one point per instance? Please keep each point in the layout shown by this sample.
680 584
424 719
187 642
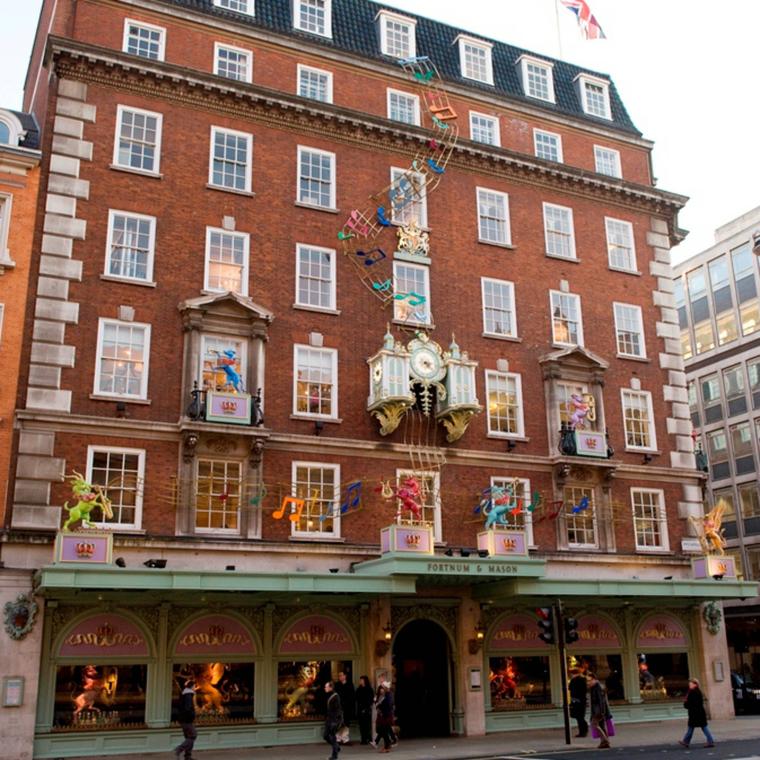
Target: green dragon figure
88 498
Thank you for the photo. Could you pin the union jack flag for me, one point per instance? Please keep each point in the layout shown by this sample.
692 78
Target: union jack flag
590 28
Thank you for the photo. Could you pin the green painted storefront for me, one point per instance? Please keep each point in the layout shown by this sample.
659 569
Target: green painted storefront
149 625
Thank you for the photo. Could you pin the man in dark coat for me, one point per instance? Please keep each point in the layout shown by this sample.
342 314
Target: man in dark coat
187 720
333 719
345 690
695 704
600 711
578 692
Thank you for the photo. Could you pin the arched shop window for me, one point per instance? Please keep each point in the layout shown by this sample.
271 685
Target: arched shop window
663 661
217 652
518 665
599 651
101 675
311 651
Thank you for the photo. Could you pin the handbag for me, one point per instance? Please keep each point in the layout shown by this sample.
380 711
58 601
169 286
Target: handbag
609 725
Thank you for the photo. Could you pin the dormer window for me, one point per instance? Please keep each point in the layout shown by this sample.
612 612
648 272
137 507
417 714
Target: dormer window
239 6
475 59
314 16
595 95
11 131
537 78
397 35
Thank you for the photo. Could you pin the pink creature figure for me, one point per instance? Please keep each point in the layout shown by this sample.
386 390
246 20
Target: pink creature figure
580 411
408 494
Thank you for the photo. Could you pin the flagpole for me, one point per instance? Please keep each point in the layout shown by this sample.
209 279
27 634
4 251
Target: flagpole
559 34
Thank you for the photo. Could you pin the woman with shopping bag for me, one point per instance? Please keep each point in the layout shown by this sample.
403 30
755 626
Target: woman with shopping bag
601 719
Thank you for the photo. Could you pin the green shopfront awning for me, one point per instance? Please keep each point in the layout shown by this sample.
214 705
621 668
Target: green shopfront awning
60 581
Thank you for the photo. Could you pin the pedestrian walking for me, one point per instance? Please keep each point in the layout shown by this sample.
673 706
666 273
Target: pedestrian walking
600 710
345 690
384 719
365 699
695 704
578 693
333 719
187 720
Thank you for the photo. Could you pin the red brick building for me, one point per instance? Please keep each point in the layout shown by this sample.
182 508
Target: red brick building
208 352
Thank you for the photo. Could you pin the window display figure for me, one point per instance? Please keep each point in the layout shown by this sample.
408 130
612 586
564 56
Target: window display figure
578 692
187 720
95 688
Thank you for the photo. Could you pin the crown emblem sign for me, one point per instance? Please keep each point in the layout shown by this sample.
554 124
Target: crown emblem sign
85 549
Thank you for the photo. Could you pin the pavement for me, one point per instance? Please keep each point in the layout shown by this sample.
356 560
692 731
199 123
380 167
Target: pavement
658 734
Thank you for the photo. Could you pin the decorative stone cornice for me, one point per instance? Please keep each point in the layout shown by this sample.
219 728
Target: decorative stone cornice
280 110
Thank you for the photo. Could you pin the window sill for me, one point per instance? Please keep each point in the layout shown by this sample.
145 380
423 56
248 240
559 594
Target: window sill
401 225
316 418
566 345
636 450
130 170
127 280
317 537
652 550
497 336
508 246
207 292
123 399
313 207
234 191
316 309
408 323
634 272
571 259
642 359
119 530
508 437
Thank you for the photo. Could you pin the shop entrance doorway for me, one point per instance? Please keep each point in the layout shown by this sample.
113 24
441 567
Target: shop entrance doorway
422 661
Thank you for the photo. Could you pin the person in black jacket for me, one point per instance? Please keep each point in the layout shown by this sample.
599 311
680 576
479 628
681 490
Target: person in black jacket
384 717
333 719
187 720
695 704
600 710
345 690
578 691
365 698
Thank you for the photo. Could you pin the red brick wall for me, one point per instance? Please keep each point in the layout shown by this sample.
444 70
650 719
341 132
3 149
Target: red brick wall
192 45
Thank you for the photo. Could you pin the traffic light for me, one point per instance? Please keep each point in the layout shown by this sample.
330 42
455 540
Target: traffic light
546 624
571 630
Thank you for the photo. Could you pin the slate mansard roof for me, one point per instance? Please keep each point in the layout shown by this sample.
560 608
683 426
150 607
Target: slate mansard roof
354 31
30 126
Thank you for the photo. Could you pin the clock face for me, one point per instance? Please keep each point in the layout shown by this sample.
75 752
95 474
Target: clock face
377 372
426 363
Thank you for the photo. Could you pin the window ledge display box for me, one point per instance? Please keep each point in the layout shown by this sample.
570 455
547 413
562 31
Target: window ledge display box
234 408
503 543
714 565
409 539
90 546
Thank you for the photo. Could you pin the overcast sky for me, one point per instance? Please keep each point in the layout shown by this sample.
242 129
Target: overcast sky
687 71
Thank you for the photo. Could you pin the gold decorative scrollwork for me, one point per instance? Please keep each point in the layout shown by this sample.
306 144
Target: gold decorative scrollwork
389 415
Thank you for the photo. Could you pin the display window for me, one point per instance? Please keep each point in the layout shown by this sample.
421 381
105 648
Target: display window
216 653
99 697
662 659
101 675
519 682
518 667
300 687
598 651
608 668
311 650
223 691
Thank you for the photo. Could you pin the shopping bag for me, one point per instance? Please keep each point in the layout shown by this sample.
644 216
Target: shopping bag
342 735
610 725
